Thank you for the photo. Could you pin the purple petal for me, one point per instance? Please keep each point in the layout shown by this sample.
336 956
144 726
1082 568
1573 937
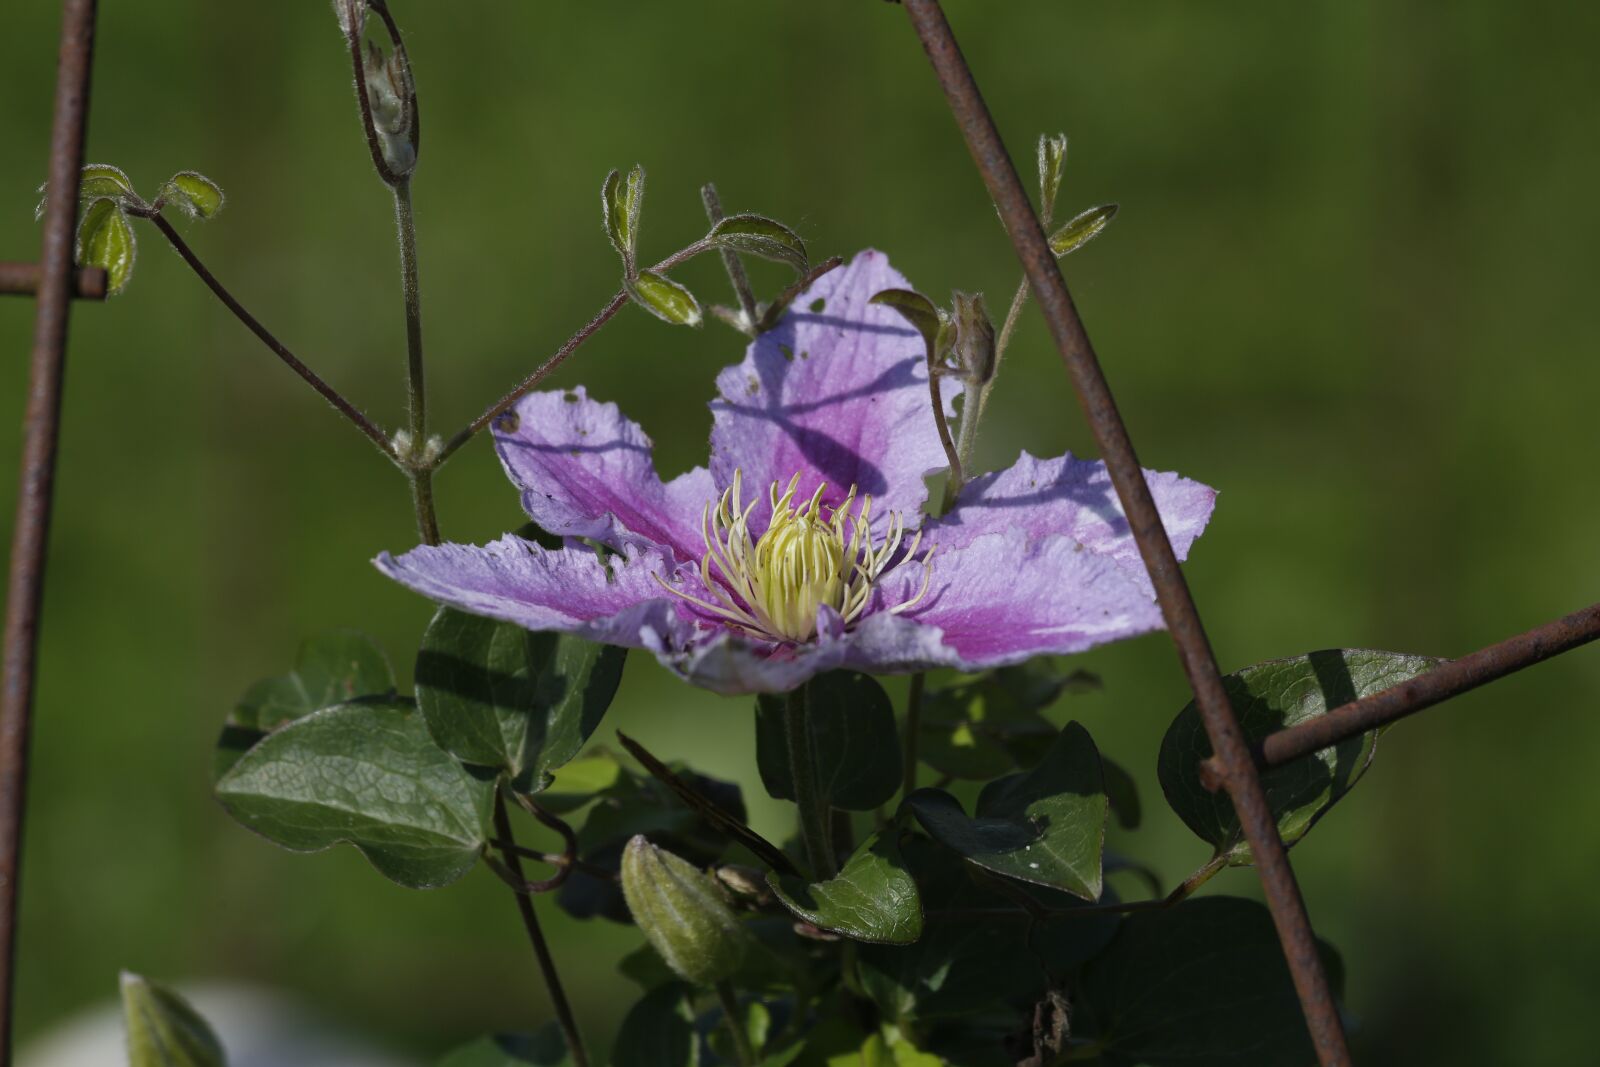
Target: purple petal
838 394
586 471
1072 497
733 666
542 589
1002 599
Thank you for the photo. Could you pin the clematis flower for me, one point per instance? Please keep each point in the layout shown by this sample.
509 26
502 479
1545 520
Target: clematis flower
804 547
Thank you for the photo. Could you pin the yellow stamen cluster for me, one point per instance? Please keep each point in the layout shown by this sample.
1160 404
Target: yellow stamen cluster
771 587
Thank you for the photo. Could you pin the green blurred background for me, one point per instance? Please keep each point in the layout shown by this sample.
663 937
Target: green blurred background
1349 286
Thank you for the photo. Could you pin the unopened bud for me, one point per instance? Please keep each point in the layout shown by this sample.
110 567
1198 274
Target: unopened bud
352 16
390 96
745 883
974 338
1052 162
682 915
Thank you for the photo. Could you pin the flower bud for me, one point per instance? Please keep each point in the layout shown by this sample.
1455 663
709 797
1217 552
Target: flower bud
391 95
974 338
683 917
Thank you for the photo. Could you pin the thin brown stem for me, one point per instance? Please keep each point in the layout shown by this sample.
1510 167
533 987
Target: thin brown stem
327 392
742 1050
549 366
418 468
530 920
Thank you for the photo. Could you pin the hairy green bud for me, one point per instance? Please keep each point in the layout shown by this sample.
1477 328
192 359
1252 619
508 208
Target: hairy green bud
681 913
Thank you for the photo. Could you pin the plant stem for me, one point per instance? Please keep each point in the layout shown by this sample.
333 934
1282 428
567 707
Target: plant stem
731 1015
328 393
548 367
908 757
731 261
419 471
972 409
558 996
814 828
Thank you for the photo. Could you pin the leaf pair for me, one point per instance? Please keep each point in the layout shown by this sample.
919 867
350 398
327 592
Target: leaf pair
329 753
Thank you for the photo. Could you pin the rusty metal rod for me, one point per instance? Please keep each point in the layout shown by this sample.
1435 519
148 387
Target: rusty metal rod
1177 607
1424 691
41 432
22 279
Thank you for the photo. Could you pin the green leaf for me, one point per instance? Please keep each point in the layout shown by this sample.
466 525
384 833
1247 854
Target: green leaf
544 1048
367 774
757 1023
1082 229
1046 826
95 181
872 899
916 309
659 1030
579 782
664 298
501 696
1122 793
194 194
164 1030
854 741
1268 697
105 240
331 668
758 235
992 725
1202 984
621 199
1052 164
963 966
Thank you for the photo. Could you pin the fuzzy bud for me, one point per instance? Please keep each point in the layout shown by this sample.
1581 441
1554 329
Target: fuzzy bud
974 338
352 16
678 908
390 97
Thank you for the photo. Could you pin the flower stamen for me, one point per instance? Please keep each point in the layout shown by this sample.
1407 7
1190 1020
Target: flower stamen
810 556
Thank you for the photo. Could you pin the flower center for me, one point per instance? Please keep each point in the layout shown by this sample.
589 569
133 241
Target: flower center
810 556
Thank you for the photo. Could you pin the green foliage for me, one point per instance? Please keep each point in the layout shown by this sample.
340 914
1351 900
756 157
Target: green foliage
758 235
1082 229
993 724
1052 165
106 240
664 298
872 899
659 1030
1268 697
523 703
545 1048
928 320
163 1029
621 199
1202 984
332 668
194 194
1045 826
853 739
370 775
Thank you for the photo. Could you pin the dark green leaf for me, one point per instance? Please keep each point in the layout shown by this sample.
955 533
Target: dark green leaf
757 1023
105 240
1122 793
580 782
992 725
193 194
1046 826
163 1029
918 310
332 668
1082 229
979 950
1202 984
664 298
872 899
98 180
367 774
546 1048
500 696
854 741
659 1030
1268 697
757 235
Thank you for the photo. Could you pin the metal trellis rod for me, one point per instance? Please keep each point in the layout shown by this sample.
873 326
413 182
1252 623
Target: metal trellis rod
54 288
